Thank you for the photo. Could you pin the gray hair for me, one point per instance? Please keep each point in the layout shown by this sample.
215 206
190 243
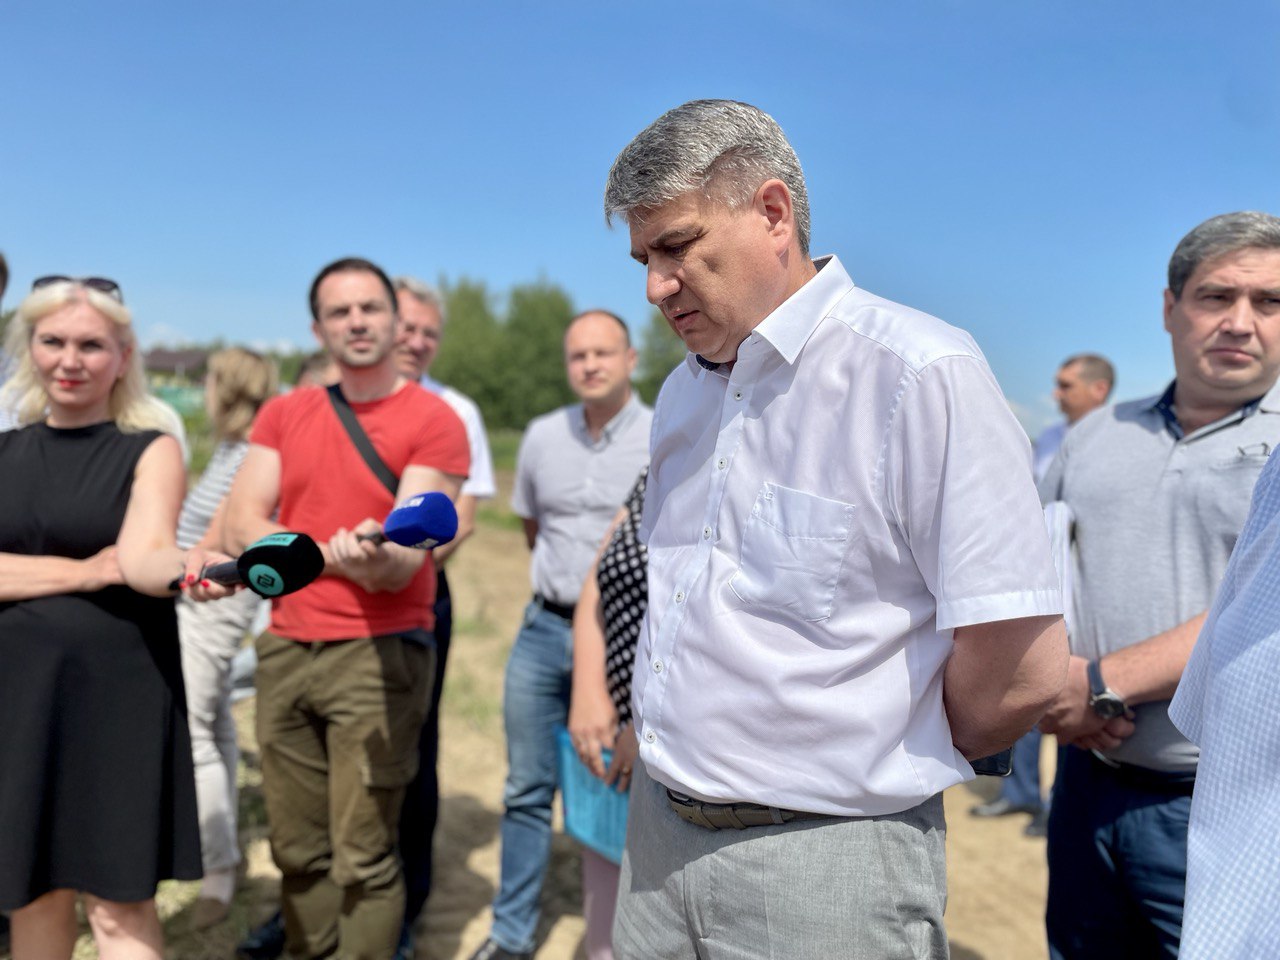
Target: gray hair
421 291
720 148
1217 237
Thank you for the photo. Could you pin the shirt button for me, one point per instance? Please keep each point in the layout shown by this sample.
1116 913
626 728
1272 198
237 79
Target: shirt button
650 736
737 395
706 533
722 463
657 666
679 596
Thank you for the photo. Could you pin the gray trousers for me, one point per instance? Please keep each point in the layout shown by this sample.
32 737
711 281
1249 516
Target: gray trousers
870 888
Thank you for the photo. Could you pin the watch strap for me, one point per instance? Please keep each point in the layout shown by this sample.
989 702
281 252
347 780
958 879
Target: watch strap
1097 687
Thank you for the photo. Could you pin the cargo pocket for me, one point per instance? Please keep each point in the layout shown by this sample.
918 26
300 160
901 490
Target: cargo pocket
793 546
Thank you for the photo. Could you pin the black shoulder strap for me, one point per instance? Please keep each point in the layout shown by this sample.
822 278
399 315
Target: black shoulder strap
364 446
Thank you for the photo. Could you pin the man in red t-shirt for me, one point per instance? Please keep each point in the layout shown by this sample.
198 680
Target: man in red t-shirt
344 674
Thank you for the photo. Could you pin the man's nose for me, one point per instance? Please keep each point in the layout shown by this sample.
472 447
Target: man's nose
660 284
1240 319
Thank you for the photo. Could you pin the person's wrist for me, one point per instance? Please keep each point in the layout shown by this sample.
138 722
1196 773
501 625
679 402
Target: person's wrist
1104 699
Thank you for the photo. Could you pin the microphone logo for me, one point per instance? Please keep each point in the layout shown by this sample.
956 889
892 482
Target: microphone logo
265 580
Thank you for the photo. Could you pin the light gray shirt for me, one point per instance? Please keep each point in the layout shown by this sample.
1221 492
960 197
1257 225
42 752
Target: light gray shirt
1156 518
572 486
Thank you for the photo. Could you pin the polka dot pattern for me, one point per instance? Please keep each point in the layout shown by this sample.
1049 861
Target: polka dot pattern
623 579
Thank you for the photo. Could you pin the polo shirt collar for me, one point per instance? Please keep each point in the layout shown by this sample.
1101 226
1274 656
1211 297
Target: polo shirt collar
615 424
788 328
1269 402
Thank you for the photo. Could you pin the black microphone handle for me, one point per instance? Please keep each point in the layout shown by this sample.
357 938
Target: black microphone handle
377 538
225 573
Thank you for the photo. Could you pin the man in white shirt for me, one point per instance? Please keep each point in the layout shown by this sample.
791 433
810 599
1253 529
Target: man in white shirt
422 322
850 586
1082 384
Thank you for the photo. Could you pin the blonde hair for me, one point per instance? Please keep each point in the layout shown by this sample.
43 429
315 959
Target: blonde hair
242 381
130 406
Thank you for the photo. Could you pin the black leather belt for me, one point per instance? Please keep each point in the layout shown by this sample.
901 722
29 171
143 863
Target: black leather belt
738 816
1177 782
559 609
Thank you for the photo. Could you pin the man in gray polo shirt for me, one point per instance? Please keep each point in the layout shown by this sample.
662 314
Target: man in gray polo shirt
575 468
1159 489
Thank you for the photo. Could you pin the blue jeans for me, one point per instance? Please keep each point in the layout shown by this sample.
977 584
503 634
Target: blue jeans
535 700
1022 786
1117 861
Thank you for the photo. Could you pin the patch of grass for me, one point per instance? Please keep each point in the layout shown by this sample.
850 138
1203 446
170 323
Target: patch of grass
504 444
496 514
467 700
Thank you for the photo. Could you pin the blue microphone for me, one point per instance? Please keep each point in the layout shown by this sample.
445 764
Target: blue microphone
421 522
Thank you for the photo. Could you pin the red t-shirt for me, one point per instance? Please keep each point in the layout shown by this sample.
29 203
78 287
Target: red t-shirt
325 484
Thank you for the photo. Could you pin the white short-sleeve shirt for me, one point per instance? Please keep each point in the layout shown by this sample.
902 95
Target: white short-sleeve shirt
479 482
819 519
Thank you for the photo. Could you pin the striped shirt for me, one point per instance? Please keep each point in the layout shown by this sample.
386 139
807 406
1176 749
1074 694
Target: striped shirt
202 502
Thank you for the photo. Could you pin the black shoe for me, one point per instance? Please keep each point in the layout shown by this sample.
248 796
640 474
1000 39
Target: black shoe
1039 825
1000 807
491 951
264 943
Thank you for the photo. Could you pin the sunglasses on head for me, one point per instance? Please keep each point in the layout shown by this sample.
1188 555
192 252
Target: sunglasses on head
101 284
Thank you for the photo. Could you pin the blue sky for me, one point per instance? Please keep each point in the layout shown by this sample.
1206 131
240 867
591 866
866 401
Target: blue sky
1021 169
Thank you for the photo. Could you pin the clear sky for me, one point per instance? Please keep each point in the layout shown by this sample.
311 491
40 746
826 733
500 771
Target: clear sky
1021 169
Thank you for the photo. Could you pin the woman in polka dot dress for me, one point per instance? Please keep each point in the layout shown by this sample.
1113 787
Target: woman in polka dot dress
606 625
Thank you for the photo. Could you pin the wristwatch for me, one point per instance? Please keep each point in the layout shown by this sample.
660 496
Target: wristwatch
1103 701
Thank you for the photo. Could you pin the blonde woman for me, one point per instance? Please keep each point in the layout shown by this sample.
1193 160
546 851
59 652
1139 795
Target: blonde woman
97 795
237 384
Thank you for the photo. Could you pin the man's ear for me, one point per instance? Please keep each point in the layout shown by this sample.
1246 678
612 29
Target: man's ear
315 332
773 201
1169 301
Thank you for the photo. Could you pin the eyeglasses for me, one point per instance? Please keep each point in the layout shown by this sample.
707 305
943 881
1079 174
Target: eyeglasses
101 284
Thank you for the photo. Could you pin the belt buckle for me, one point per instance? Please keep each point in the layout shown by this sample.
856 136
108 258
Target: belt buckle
691 810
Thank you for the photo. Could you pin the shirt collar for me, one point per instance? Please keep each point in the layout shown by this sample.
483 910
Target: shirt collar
1163 405
430 383
788 328
616 423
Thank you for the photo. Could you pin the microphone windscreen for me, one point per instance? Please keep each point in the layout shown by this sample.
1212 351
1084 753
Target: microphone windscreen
423 521
280 563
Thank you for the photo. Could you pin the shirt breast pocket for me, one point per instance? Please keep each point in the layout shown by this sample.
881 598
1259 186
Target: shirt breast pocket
793 546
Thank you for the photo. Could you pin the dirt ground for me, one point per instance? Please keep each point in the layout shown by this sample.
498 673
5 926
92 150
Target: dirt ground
997 876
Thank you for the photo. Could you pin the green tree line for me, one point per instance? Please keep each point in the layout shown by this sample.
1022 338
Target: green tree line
511 362
507 354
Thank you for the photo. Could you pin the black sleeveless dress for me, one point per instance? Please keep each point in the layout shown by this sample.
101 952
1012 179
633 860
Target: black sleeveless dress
97 791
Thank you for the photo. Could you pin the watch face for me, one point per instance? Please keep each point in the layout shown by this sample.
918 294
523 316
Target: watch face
1107 705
